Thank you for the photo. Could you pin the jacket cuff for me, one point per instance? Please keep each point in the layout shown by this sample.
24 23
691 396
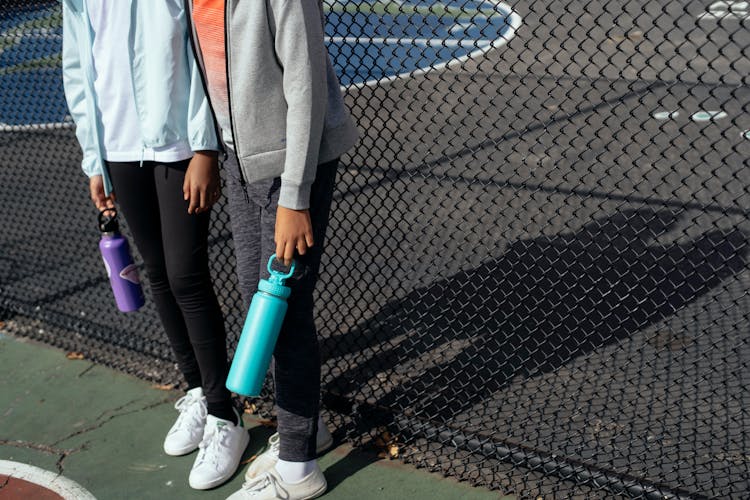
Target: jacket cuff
91 166
204 146
295 196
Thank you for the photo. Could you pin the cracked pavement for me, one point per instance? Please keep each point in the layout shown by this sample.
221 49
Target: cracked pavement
62 454
98 422
104 430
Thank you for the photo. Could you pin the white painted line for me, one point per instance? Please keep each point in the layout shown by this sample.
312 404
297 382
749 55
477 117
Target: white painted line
427 42
704 116
513 23
66 488
36 127
666 115
727 10
459 27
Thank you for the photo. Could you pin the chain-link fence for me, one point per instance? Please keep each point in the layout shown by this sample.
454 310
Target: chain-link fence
537 270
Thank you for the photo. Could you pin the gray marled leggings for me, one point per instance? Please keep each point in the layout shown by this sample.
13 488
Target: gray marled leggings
296 357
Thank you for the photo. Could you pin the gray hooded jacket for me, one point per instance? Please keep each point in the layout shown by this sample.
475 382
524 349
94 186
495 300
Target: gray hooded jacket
286 108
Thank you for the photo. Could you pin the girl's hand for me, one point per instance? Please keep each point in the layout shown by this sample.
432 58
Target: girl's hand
293 232
96 187
202 187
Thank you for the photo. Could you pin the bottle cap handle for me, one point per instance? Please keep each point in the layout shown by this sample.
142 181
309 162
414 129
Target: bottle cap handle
108 222
277 274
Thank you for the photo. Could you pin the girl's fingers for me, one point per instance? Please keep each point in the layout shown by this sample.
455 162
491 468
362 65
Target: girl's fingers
309 239
186 189
98 201
204 200
215 194
194 199
301 246
288 253
279 249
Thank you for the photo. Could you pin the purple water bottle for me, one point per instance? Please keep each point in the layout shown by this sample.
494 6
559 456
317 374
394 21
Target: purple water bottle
123 274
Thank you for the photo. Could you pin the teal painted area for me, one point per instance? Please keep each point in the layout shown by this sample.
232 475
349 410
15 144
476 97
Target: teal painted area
41 459
105 430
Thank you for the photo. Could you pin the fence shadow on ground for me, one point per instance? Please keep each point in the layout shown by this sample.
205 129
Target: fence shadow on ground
545 302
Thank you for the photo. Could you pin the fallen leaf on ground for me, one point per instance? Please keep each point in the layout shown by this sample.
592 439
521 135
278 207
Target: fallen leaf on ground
163 387
384 437
387 443
390 452
74 355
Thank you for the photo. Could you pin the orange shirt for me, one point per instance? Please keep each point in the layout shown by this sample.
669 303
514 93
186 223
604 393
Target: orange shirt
208 17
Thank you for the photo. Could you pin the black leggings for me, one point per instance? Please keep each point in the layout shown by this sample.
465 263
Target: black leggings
174 247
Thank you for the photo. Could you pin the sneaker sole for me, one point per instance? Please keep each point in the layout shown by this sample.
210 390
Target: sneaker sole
318 493
221 480
181 451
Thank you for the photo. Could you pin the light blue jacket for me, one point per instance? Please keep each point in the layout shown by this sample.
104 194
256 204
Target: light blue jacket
169 95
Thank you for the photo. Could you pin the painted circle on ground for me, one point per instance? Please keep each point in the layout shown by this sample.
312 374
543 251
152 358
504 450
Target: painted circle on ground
18 489
30 46
24 481
375 41
370 42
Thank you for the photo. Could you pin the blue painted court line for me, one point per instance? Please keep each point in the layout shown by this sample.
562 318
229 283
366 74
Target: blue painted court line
366 48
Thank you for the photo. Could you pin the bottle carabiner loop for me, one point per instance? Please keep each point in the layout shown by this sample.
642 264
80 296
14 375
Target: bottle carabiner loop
108 223
278 275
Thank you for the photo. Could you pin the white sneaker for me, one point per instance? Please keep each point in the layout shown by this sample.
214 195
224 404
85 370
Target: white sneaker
270 486
220 452
268 459
187 432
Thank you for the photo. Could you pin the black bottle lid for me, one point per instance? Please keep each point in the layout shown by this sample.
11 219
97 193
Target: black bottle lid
108 221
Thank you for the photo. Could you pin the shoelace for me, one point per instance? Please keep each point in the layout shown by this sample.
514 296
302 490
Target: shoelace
212 444
259 484
185 404
274 440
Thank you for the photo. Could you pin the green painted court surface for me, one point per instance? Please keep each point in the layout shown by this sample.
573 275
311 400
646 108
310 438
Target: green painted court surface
105 430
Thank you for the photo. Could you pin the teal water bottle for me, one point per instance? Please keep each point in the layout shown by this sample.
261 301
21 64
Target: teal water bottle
259 335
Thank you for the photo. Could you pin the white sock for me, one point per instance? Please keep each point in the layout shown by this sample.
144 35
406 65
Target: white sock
295 472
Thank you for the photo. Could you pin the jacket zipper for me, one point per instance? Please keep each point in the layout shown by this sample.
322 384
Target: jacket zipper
243 183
